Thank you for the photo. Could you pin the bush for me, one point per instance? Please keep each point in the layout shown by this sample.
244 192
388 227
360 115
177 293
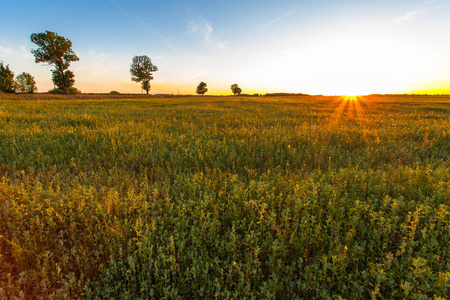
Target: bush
72 91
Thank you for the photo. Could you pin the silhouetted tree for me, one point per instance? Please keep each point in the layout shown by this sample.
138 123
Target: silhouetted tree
7 84
25 83
141 71
236 89
55 50
201 88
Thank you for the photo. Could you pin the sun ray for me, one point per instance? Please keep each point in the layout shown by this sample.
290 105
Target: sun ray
330 126
362 119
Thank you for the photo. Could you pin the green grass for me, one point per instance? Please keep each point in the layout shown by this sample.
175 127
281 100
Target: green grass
225 197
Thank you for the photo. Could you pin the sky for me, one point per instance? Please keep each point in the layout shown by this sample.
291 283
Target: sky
339 47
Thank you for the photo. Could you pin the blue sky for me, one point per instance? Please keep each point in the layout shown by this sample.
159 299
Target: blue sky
317 47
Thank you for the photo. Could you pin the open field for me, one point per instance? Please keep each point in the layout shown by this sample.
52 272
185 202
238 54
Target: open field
226 197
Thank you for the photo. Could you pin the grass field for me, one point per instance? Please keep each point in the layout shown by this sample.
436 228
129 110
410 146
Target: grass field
225 197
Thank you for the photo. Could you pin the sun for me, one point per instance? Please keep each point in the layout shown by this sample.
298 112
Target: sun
350 65
351 98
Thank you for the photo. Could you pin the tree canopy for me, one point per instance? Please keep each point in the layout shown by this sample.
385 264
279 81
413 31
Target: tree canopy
7 84
55 50
201 88
236 89
25 83
141 70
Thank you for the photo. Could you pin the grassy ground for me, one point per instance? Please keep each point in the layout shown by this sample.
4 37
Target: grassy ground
227 197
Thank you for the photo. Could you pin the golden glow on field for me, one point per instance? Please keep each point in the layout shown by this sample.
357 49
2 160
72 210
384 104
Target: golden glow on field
350 98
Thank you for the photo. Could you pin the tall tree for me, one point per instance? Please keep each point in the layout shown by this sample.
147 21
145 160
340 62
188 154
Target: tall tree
7 84
25 83
55 50
141 71
236 89
201 88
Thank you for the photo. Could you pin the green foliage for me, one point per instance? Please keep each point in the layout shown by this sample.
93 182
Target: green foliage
114 93
53 49
57 51
201 88
142 70
63 80
25 83
70 91
146 85
7 84
207 197
236 89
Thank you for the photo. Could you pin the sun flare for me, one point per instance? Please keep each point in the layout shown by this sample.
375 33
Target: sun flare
351 98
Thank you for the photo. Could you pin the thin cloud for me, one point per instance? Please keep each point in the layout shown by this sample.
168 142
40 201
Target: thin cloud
197 74
6 51
412 15
26 54
280 17
204 28
137 21
128 15
94 64
20 53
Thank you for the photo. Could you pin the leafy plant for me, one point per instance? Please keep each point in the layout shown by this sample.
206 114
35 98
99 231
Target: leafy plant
7 84
212 197
25 83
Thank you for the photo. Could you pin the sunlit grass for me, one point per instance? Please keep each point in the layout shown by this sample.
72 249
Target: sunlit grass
228 197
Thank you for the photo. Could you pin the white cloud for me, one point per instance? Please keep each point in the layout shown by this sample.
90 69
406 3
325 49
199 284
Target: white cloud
204 28
197 74
281 17
412 15
16 54
25 53
95 65
6 51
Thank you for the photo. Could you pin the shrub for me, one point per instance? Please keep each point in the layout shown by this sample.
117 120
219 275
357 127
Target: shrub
71 90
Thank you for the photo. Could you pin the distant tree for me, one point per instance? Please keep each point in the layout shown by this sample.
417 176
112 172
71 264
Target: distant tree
236 89
25 83
7 84
55 50
201 88
141 71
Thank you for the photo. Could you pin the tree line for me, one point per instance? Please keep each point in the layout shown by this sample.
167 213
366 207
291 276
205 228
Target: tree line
56 51
24 82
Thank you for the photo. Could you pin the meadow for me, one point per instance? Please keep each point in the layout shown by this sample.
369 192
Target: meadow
304 197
